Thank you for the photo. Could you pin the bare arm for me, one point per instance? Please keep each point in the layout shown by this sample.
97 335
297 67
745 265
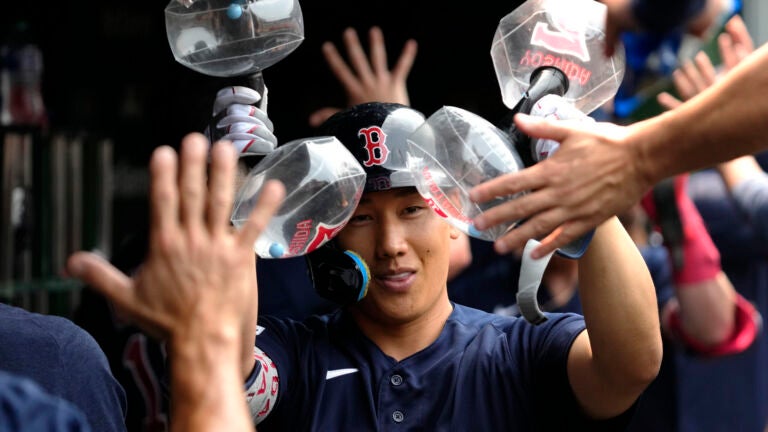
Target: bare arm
619 354
197 284
602 169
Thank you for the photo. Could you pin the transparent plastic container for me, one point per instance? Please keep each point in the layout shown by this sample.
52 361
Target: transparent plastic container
226 38
454 151
323 183
566 34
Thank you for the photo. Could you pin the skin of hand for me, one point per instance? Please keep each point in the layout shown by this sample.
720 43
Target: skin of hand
367 79
197 284
694 77
590 178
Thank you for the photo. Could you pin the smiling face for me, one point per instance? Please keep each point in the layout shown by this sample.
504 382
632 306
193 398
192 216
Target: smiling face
406 246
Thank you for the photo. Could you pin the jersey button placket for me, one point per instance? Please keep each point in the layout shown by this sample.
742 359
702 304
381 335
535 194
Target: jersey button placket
398 416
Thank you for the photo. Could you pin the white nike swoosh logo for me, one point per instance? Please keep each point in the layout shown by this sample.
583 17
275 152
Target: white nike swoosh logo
339 372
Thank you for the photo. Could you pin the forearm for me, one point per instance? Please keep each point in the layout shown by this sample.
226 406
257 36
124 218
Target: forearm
619 304
736 171
725 121
207 386
707 309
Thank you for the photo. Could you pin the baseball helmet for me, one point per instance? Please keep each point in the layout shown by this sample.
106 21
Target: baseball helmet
375 133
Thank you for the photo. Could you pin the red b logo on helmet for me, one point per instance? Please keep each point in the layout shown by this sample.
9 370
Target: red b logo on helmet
375 145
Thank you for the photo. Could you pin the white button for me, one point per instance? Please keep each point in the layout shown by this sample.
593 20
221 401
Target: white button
398 416
396 380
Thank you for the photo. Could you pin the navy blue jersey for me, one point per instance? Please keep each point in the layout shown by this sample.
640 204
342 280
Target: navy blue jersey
484 372
25 407
65 361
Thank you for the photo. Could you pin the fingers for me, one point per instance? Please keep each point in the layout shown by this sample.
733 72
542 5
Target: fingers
706 70
694 77
561 237
728 53
513 210
738 31
270 199
508 184
234 95
103 277
405 62
357 55
537 127
339 67
378 51
221 187
736 43
192 191
163 192
668 101
239 113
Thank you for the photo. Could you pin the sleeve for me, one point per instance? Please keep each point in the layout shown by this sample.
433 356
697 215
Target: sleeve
552 386
276 352
662 16
25 407
86 366
751 199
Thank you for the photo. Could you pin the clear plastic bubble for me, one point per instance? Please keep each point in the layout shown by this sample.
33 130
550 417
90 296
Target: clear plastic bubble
227 38
566 34
323 183
454 151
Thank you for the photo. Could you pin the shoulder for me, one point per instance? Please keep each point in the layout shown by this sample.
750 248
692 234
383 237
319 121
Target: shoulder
53 332
22 402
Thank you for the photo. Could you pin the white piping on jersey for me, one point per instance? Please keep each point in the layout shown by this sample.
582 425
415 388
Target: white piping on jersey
339 372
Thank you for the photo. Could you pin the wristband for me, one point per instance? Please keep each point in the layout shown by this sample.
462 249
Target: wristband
261 394
746 325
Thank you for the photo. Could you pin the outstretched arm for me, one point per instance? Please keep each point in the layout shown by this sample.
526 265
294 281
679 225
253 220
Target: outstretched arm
197 284
603 169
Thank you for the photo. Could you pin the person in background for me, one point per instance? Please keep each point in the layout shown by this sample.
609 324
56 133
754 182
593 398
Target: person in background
26 407
732 200
64 360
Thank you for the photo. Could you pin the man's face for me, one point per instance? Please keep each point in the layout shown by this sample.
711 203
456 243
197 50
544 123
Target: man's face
407 247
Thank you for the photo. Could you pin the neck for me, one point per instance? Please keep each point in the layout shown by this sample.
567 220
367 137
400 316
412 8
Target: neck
400 339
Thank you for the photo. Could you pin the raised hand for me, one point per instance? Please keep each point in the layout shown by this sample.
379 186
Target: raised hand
693 77
198 282
367 79
592 176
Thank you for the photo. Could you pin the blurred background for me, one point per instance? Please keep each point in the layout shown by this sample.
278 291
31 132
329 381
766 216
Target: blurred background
110 91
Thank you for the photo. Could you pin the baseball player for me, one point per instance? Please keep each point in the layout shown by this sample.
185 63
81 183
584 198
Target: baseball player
399 354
